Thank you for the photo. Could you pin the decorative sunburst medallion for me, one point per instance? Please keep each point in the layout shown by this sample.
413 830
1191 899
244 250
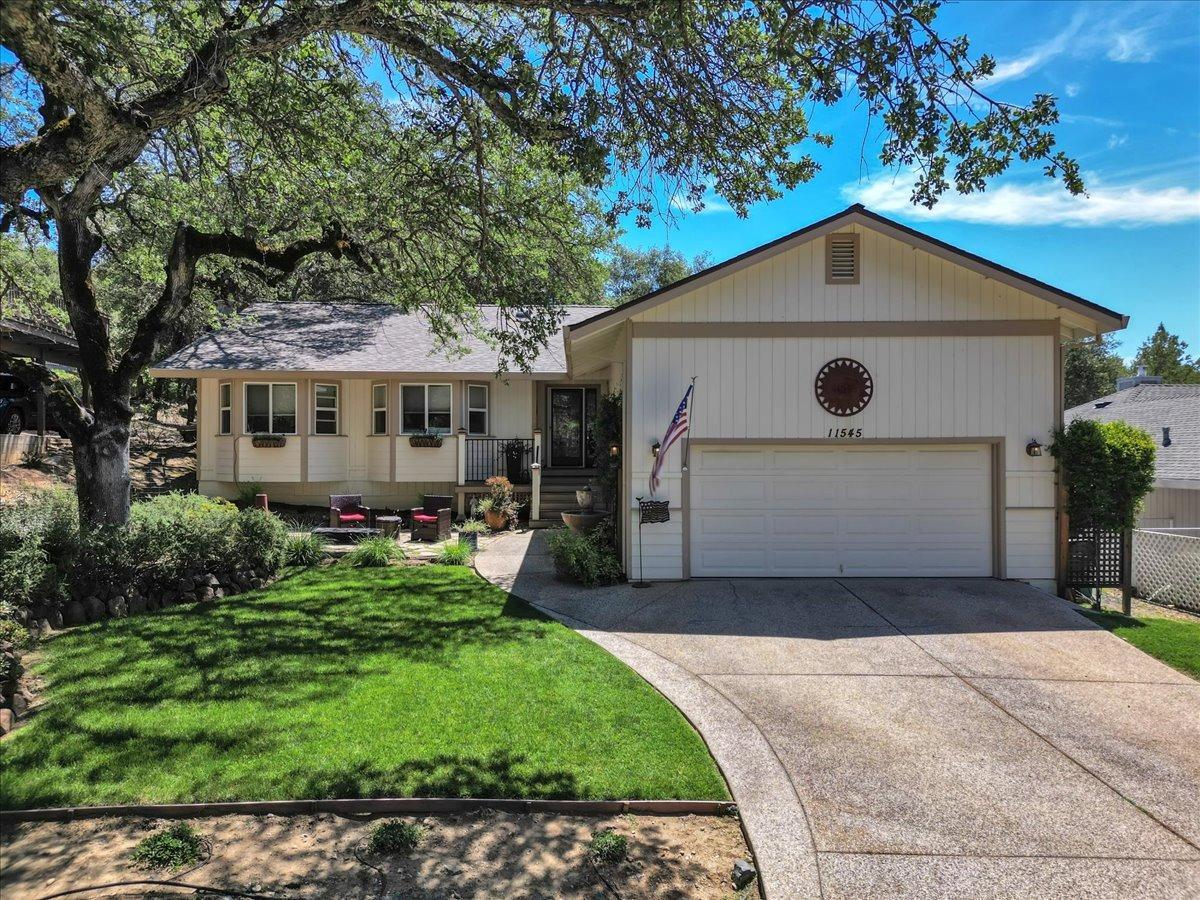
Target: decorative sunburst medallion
844 386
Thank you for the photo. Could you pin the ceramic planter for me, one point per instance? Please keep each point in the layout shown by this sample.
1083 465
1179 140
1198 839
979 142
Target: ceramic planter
585 500
497 521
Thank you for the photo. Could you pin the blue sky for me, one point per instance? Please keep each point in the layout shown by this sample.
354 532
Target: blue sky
1127 77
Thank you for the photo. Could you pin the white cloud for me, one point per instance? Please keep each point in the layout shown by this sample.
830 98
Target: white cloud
1132 46
1072 89
711 205
1039 203
1072 118
1117 140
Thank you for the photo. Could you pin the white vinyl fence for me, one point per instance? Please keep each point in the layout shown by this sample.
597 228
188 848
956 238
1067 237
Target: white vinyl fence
1166 565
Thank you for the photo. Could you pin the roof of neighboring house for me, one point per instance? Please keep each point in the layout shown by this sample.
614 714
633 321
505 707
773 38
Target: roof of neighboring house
1154 407
348 337
859 214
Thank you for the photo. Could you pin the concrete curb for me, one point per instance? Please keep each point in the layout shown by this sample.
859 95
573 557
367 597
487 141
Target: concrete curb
372 806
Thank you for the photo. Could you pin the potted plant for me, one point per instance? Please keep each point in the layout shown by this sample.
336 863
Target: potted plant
269 440
514 459
469 531
499 508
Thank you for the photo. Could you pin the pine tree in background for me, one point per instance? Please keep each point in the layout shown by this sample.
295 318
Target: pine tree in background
1165 354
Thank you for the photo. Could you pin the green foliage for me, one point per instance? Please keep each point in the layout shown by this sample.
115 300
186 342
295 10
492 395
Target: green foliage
608 846
260 540
474 526
500 499
606 425
588 559
395 836
407 681
304 550
169 848
374 552
1091 369
246 492
1108 467
634 273
453 553
1165 354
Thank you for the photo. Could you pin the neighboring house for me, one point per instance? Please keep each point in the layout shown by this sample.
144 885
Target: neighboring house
869 401
1171 415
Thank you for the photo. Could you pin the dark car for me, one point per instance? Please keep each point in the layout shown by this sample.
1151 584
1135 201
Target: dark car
18 406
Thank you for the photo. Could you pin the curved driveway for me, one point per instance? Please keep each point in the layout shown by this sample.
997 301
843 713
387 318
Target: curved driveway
913 738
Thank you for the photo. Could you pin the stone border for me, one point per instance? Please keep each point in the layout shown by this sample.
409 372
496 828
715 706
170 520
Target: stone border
373 806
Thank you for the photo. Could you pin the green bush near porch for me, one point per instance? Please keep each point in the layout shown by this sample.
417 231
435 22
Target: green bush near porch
347 682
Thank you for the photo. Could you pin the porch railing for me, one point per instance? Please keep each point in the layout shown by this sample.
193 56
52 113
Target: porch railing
489 456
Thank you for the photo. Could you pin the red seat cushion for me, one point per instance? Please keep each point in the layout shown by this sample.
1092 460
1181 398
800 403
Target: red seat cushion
421 517
351 517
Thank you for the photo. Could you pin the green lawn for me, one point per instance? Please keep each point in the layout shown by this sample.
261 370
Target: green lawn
1174 641
346 682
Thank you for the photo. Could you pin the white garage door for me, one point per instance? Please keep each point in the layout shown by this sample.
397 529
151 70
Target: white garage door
868 510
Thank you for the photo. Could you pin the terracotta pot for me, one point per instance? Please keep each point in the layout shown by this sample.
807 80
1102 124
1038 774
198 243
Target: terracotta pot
497 521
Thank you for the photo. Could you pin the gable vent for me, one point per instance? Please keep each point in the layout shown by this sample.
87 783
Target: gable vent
842 260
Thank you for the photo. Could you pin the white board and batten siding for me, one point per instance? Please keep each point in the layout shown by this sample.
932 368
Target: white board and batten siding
984 396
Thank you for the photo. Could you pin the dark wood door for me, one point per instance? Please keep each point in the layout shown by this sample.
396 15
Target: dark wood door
568 440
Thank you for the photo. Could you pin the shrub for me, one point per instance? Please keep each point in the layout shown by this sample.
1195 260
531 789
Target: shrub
454 554
246 492
107 555
374 552
169 848
260 540
304 550
609 846
177 532
474 526
587 559
1108 467
395 836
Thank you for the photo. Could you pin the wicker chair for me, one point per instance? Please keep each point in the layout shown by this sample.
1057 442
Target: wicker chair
347 511
431 521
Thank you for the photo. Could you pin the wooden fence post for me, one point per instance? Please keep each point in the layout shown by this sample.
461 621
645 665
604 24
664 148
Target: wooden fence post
1127 571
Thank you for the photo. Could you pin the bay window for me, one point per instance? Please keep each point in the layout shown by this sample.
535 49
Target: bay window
270 408
325 409
477 409
379 409
425 407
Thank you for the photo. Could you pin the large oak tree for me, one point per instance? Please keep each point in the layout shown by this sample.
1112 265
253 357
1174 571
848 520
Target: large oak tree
435 154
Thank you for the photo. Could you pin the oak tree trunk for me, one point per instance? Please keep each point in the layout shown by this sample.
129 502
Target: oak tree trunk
102 469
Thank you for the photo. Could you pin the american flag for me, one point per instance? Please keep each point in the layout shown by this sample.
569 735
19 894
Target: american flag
676 430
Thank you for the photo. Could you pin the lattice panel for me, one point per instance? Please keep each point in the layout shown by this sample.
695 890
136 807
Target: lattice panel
1166 567
1082 559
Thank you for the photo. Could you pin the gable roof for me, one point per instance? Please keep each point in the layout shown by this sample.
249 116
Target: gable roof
1107 319
347 337
1154 407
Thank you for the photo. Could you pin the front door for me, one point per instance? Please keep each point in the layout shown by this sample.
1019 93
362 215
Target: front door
571 444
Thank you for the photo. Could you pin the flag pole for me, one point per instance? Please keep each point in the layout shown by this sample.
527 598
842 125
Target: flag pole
687 448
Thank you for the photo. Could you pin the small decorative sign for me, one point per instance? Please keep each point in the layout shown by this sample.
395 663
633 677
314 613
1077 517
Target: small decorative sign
269 440
844 386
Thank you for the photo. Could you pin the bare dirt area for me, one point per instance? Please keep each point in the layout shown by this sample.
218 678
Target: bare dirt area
472 855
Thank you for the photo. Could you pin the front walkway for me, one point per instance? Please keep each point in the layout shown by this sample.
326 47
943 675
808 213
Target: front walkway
909 737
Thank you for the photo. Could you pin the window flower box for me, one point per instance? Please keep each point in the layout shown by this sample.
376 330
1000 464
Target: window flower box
424 440
269 440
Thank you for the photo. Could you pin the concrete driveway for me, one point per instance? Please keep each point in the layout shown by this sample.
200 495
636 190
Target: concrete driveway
914 738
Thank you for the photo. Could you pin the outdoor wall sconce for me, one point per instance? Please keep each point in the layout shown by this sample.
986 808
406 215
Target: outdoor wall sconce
1033 448
614 450
654 448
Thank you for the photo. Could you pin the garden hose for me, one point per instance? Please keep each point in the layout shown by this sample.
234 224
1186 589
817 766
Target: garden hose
204 888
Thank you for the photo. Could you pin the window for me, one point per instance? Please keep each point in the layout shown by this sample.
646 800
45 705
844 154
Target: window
425 407
477 409
379 409
841 259
225 402
325 412
270 409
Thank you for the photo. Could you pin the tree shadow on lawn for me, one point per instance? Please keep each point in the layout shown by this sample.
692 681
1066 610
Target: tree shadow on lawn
123 694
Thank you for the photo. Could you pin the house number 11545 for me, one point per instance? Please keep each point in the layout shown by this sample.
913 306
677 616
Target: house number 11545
845 432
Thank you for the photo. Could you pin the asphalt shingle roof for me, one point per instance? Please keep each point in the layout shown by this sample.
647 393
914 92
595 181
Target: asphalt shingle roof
350 337
1153 407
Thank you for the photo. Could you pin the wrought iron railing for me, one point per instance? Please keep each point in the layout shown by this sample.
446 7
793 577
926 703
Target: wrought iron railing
511 457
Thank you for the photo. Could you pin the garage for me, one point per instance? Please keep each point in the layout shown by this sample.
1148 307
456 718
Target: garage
819 510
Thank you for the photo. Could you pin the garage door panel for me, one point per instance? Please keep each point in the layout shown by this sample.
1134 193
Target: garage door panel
731 461
837 510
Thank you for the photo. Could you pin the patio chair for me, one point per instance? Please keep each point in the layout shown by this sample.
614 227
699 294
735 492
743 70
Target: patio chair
431 521
347 511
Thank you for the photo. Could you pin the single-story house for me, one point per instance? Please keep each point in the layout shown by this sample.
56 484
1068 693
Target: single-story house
868 401
1171 415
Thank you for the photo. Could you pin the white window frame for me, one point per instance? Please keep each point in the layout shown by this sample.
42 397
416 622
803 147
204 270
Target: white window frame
336 408
271 385
485 409
224 406
425 428
377 409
